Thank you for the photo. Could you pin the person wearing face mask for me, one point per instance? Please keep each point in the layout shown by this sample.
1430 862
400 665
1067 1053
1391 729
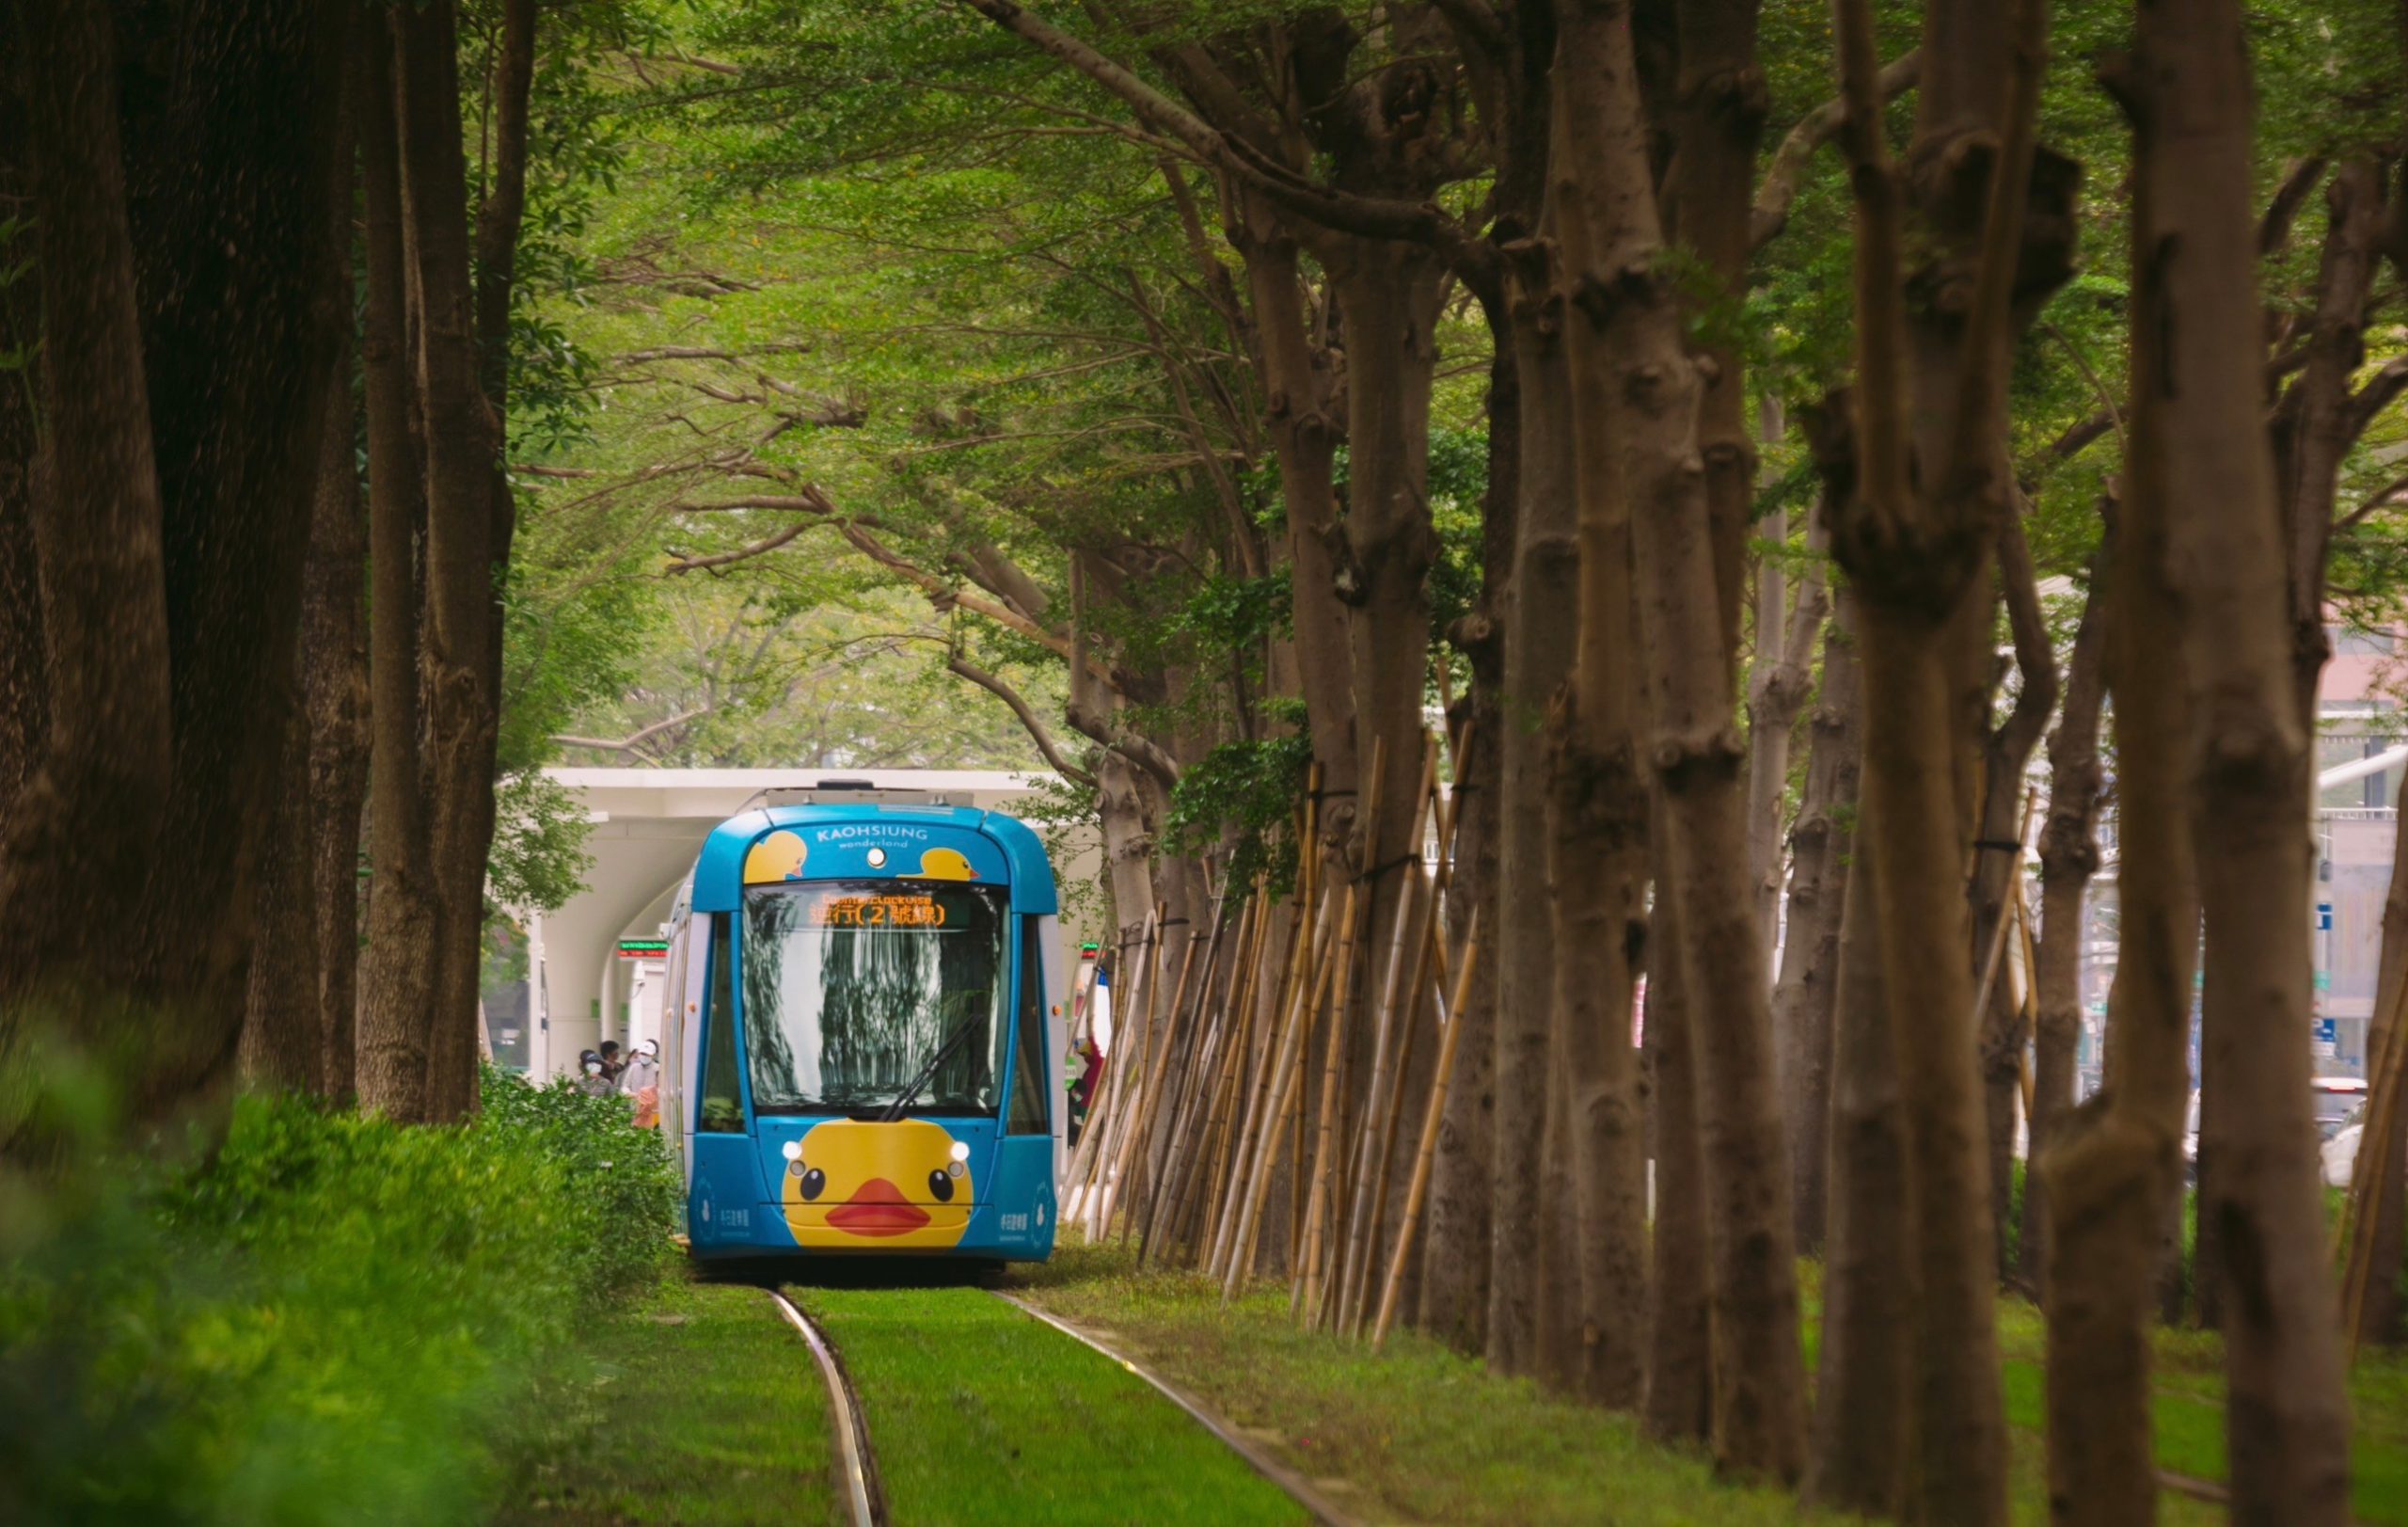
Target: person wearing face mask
641 1081
592 1078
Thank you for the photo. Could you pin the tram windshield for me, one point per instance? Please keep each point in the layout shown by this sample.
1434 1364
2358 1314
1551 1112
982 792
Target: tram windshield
852 987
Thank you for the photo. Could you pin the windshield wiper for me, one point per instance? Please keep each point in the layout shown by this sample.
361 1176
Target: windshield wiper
927 1072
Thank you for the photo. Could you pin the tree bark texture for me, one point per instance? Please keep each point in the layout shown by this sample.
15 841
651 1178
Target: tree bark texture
1540 635
397 973
2068 858
2001 830
1867 1366
2249 761
1677 1403
1630 324
1803 998
178 229
2108 1166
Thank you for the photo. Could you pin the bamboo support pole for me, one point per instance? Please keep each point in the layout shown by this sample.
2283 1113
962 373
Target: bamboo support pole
1193 1226
1383 1032
1102 1104
1147 1046
1130 1166
1417 1191
1284 1072
1180 1149
1381 1130
1255 1125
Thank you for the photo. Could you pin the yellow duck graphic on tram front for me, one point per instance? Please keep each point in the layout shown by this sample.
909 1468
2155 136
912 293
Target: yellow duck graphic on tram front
855 1185
776 857
946 863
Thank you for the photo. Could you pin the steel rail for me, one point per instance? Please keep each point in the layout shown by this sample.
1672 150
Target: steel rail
1299 1488
856 1466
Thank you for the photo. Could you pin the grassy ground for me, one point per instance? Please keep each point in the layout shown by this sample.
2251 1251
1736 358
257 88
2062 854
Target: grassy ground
1420 1434
1415 1434
982 1415
700 1405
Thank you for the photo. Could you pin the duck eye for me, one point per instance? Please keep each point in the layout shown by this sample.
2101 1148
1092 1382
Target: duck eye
815 1181
941 1184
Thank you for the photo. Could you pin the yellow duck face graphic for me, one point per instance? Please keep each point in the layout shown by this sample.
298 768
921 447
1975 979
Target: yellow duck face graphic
946 863
856 1185
776 857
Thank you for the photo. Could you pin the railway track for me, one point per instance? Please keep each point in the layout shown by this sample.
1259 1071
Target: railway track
856 1465
1298 1488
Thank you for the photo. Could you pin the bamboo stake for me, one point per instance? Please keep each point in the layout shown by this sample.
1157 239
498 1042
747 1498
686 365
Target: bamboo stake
1305 1284
1194 1225
1139 1041
1151 1100
1417 1191
1384 1030
1211 1020
1285 1072
1129 1154
1254 1136
1430 979
2014 890
1102 1106
1380 1127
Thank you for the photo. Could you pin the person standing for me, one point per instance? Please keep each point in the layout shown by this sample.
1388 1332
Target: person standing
640 1082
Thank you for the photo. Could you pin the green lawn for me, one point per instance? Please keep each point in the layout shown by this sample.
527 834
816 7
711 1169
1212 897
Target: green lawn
1421 1434
699 1405
1417 1432
980 1415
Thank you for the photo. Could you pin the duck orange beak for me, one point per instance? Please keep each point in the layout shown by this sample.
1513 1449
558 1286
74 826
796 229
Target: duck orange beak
877 1207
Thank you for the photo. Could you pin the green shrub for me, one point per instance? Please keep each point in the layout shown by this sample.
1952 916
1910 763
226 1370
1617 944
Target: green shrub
320 1323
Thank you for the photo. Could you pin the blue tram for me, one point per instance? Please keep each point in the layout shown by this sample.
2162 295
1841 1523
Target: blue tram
864 1049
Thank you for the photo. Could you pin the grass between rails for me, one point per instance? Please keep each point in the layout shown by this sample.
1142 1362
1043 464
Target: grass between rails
1421 1434
701 1404
981 1415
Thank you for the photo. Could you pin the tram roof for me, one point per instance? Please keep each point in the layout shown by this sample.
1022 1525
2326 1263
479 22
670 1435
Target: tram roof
718 872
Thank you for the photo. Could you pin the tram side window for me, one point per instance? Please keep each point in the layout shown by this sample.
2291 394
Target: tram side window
1028 1115
723 1104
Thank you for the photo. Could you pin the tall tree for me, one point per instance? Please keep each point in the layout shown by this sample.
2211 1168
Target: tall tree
2247 759
180 238
1626 331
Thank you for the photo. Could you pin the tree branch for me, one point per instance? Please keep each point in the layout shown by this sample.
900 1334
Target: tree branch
635 739
758 548
1027 714
1371 216
1787 172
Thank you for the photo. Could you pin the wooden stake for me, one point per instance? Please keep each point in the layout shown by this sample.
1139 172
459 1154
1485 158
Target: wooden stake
1256 1136
1179 1150
1285 1072
1417 1191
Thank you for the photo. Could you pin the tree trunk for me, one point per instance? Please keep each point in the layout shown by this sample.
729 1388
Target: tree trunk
1629 328
280 1048
397 980
1540 635
1861 1409
2110 1163
1677 1401
2249 762
179 233
1998 872
335 697
2387 1152
2068 857
1455 1282
460 447
1932 360
1810 962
